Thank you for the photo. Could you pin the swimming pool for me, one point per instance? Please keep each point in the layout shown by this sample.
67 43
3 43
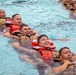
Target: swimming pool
43 15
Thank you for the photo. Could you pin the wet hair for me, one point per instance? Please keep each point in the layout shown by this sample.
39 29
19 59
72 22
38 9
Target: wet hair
60 51
14 15
41 37
23 25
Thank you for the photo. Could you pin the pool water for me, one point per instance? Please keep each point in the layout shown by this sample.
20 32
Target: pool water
45 16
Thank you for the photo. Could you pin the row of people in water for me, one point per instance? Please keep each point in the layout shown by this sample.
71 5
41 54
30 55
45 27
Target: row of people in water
38 50
9 25
46 49
44 60
42 53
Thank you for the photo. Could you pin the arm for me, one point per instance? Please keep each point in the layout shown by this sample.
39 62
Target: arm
62 39
6 33
16 44
62 67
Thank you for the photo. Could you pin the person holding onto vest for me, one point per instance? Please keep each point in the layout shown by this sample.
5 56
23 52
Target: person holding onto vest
3 20
67 63
45 47
14 25
26 35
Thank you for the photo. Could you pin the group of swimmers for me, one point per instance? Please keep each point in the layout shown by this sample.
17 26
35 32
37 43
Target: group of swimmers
37 49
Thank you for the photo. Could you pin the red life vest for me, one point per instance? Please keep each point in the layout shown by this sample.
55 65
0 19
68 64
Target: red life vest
45 52
14 28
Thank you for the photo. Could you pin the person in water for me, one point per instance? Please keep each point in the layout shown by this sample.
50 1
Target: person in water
14 25
24 48
26 35
45 47
3 20
67 64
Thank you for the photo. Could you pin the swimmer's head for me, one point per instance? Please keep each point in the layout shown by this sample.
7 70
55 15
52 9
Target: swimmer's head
2 13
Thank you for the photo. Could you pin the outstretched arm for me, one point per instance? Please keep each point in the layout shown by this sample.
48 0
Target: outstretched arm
62 39
6 33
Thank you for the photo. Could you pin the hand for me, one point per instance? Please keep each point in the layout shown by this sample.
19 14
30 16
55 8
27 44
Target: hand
16 37
67 63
